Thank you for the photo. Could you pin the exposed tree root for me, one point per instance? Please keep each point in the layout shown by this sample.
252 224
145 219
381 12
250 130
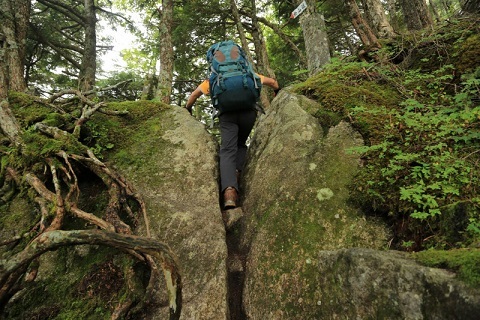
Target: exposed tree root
156 252
58 188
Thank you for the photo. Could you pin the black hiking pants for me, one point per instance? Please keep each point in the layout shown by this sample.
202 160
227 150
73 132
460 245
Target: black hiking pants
235 127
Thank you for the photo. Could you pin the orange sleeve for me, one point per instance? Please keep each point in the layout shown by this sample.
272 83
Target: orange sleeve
261 77
205 87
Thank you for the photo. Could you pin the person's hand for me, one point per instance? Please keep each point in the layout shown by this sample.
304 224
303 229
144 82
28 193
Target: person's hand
189 109
275 92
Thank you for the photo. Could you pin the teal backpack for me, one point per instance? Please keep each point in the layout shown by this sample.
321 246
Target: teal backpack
233 83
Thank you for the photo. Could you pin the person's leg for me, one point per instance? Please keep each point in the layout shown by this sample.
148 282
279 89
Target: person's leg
246 122
228 150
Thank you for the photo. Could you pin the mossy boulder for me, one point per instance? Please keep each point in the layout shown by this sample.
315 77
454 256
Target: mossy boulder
296 204
311 253
369 284
170 160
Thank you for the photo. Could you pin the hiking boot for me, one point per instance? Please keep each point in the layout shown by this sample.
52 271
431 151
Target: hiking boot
230 198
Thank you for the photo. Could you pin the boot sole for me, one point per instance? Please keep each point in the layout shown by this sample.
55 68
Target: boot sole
229 205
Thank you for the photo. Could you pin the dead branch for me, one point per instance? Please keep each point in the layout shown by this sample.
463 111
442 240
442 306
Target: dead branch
59 203
76 94
48 104
87 111
53 132
113 112
108 88
83 95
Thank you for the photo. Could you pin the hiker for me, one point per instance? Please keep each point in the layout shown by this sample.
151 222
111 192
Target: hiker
237 111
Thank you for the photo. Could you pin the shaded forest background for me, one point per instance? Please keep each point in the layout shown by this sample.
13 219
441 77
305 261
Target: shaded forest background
412 69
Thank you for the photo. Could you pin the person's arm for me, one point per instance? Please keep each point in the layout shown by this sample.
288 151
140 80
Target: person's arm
193 97
271 83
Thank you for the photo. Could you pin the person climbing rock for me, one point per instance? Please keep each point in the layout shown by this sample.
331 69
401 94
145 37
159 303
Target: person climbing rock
234 89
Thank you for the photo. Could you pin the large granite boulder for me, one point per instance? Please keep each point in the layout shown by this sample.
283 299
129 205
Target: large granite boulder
171 161
178 179
299 224
364 284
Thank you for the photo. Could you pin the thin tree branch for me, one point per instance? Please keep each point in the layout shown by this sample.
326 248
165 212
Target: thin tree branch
64 9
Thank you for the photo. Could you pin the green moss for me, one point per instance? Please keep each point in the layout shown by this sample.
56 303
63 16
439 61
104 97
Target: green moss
27 110
465 262
303 226
342 89
115 133
55 120
17 217
59 294
469 54
38 146
135 135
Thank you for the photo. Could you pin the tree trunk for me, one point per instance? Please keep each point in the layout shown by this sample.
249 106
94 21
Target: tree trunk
391 7
241 31
89 59
416 15
14 17
164 89
315 37
375 13
263 64
148 87
362 28
346 36
470 6
278 30
434 10
3 68
8 124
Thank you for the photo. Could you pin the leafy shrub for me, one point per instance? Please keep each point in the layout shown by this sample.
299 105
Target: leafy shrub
427 162
420 121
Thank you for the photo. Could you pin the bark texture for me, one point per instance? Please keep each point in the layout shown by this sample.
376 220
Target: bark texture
89 58
164 88
471 6
416 15
263 64
375 12
14 17
315 35
8 124
362 28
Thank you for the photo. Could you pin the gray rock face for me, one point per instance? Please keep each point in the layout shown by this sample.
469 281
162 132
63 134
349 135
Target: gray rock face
296 207
180 189
363 283
295 245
